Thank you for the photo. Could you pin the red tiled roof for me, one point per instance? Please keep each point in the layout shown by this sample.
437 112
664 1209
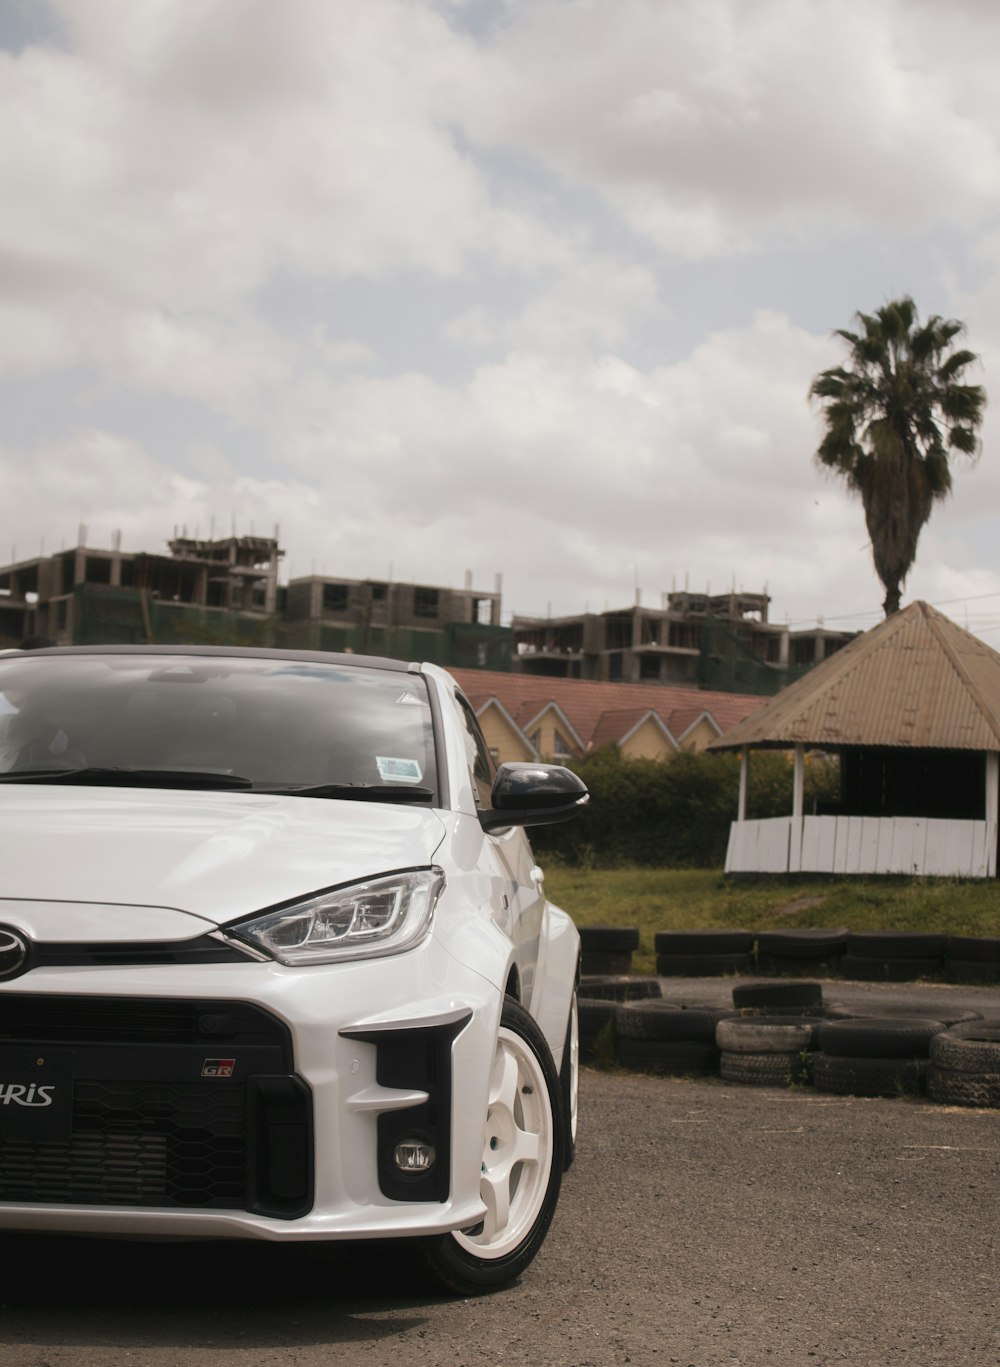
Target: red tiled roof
613 726
584 701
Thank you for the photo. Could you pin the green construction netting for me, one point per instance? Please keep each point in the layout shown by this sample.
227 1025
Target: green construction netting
108 616
727 665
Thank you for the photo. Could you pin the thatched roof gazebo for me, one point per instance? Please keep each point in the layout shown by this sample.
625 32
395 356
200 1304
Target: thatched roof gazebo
912 709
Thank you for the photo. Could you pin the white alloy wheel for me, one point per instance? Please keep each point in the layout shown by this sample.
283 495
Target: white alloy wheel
523 1156
569 1078
517 1151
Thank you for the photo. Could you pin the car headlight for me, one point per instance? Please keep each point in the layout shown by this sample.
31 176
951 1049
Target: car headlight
379 916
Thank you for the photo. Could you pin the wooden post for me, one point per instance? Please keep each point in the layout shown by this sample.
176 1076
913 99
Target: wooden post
741 809
992 802
798 803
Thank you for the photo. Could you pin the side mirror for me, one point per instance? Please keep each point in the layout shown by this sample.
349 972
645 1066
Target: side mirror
533 795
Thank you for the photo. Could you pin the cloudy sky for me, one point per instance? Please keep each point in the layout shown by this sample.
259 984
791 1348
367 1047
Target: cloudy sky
523 287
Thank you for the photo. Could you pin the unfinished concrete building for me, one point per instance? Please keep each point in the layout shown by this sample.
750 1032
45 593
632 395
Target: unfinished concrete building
53 595
663 645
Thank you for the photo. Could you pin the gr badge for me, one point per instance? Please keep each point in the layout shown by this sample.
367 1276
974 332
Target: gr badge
218 1067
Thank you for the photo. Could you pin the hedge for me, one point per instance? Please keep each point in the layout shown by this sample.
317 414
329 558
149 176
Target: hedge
675 813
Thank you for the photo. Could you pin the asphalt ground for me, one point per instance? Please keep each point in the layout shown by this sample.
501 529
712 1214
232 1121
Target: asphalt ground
703 1225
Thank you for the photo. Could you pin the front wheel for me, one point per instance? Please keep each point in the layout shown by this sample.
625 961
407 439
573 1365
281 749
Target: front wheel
522 1164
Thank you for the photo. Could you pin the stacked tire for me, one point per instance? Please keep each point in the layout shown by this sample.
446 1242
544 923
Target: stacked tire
893 957
964 1068
799 952
703 953
972 959
779 998
608 949
771 1051
874 1056
663 1038
598 995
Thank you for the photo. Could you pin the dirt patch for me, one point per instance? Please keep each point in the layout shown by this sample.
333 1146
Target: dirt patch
800 904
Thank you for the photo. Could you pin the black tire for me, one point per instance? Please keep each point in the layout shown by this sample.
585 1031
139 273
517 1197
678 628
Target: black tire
877 1037
596 964
803 994
926 1009
950 1088
702 965
888 1077
766 1070
474 1261
809 943
672 1058
971 1048
703 942
618 987
973 947
660 1020
608 939
596 1029
889 970
895 944
569 1083
768 1034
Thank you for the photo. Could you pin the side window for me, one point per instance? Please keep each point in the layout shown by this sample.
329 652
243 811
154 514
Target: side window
478 756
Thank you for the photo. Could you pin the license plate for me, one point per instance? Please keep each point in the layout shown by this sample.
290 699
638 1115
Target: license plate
36 1093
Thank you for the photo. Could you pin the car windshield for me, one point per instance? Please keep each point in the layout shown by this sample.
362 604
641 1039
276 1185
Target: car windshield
333 728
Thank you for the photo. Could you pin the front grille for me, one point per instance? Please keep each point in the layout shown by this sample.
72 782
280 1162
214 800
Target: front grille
130 1020
186 1105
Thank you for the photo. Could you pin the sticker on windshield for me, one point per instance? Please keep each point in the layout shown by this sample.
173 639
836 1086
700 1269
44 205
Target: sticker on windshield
409 699
398 770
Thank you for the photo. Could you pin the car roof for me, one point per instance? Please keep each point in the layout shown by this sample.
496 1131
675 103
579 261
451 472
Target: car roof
238 652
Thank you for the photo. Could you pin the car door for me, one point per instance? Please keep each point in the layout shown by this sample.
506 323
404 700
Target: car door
511 852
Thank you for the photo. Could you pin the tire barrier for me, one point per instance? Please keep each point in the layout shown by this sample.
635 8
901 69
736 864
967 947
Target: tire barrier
768 1034
780 1032
863 956
703 953
607 949
796 952
971 959
661 1020
792 1069
768 995
893 956
867 1076
965 1065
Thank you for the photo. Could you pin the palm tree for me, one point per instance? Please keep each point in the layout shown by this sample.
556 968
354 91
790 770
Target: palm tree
893 417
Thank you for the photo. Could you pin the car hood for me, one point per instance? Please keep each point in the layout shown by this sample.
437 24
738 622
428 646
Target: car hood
216 856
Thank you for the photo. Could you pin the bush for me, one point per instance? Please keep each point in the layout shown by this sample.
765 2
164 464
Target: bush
674 813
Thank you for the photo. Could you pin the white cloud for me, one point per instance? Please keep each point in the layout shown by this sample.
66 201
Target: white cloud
191 192
713 125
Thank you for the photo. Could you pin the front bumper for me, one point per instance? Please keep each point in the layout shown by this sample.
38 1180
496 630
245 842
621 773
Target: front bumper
326 1067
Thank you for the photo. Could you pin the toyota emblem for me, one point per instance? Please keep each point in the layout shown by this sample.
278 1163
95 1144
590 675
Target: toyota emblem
13 952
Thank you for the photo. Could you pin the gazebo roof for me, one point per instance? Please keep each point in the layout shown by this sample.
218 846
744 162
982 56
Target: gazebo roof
916 681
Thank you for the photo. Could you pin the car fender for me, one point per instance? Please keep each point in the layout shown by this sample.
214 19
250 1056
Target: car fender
556 977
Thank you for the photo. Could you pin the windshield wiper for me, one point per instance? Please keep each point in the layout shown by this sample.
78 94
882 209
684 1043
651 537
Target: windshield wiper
358 792
124 777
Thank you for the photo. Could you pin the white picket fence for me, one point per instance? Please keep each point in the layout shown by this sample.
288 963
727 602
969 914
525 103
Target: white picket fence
863 844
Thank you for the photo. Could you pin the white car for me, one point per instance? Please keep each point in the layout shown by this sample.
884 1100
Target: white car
275 958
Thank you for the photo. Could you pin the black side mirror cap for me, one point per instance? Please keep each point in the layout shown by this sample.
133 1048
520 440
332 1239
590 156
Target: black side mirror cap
533 795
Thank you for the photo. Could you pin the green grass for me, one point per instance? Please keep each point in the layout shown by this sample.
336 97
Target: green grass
700 899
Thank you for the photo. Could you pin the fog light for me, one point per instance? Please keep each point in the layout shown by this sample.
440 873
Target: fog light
414 1155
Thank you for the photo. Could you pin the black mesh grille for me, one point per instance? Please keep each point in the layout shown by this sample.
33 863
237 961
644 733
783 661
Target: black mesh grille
149 1126
73 1020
